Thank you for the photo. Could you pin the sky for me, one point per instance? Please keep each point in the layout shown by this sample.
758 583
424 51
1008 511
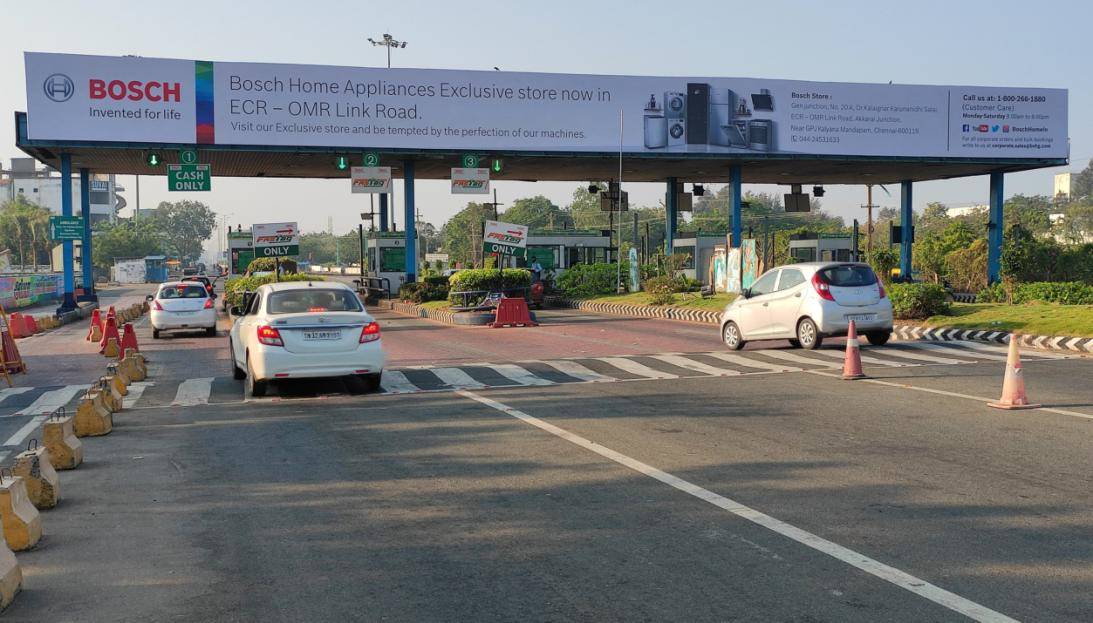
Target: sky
1001 43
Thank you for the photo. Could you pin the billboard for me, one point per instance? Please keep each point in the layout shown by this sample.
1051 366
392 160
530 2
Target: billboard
275 239
147 100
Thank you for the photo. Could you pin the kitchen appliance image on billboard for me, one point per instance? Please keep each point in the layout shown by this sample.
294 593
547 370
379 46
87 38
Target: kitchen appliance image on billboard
698 113
656 126
721 106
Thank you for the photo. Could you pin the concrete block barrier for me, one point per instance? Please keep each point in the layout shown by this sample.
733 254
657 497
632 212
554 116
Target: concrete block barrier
109 395
133 367
34 467
22 523
59 436
11 577
121 379
93 419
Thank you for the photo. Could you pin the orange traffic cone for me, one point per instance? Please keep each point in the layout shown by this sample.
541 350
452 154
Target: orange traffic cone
1013 386
852 365
129 338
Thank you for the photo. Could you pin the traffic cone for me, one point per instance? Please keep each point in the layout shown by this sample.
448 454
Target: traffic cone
109 331
94 329
852 365
129 338
1013 386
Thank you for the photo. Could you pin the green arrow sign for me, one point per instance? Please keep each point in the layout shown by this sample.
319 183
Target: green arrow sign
66 228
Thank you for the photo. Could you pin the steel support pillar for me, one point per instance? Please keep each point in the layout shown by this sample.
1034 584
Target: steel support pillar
68 303
85 242
409 221
671 205
994 230
907 224
383 211
735 203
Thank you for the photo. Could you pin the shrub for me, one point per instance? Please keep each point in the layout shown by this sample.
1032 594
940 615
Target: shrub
423 291
883 261
967 268
994 293
262 264
917 300
662 290
236 286
1064 293
584 280
483 279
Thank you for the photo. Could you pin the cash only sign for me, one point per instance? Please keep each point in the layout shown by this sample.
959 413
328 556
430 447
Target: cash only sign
505 239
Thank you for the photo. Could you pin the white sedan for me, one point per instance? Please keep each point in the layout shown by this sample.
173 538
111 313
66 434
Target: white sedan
182 305
304 329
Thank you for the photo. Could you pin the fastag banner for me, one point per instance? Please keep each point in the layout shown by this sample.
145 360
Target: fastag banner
147 100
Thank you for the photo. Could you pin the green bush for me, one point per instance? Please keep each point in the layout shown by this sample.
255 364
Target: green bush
423 291
995 293
883 261
236 286
486 280
662 290
917 300
584 280
263 264
1064 293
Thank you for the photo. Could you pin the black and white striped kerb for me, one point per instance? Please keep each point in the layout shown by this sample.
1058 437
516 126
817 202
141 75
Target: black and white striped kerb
703 316
1045 342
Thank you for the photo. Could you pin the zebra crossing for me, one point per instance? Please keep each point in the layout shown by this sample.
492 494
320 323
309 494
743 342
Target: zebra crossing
33 401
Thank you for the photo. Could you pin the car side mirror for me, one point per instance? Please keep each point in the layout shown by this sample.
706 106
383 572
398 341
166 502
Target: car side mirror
149 297
746 293
236 310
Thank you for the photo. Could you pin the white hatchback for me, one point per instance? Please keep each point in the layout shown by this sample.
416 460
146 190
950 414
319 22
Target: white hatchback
807 302
305 329
182 305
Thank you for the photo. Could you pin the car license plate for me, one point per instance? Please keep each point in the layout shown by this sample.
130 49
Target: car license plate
311 336
861 317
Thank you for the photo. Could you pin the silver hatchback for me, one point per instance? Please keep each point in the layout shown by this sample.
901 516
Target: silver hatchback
807 302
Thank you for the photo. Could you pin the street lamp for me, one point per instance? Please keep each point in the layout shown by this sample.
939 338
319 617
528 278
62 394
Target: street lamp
388 42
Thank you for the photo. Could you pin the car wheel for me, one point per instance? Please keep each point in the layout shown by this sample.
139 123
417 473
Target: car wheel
210 332
155 334
878 338
257 388
795 343
808 335
237 372
730 334
372 382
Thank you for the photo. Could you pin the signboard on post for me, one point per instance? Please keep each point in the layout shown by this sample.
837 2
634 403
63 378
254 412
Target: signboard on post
189 177
371 180
275 239
505 239
470 181
66 228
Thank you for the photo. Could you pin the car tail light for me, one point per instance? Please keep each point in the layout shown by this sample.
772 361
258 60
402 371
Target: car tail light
156 306
370 333
208 303
821 287
880 287
269 336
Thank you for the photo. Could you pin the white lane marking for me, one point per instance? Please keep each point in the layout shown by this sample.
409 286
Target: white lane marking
577 371
13 391
840 354
741 360
860 561
26 430
52 400
906 354
456 378
193 392
1004 350
636 368
690 364
136 390
943 392
394 382
794 357
938 348
520 375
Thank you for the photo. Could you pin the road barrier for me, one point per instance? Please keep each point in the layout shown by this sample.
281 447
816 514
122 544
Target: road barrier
129 339
59 435
121 380
1013 384
11 577
17 326
512 311
34 467
111 397
22 524
852 364
92 418
110 332
134 365
94 328
31 325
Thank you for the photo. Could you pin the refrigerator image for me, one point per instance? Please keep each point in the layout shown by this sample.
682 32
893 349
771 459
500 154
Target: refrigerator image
721 126
698 113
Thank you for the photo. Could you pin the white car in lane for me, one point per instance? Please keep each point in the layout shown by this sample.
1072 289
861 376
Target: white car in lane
807 302
182 306
305 329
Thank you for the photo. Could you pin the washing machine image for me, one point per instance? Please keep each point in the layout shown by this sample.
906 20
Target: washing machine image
675 105
677 132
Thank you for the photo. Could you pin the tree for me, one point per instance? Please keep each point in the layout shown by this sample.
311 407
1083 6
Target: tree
1076 226
933 219
462 234
1081 185
932 250
537 213
584 210
24 228
124 239
1029 212
185 226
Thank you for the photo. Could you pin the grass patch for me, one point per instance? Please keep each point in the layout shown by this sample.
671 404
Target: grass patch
689 300
434 305
1034 319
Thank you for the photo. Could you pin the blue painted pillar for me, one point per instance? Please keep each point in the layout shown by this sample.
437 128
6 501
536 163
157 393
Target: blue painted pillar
85 242
68 303
735 199
994 230
383 212
671 207
906 221
409 223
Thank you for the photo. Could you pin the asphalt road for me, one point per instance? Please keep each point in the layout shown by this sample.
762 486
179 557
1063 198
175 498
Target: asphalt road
763 495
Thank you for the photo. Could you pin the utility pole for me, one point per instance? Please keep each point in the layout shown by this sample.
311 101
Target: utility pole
869 220
388 42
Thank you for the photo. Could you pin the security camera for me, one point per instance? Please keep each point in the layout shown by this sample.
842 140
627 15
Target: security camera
698 190
593 189
817 191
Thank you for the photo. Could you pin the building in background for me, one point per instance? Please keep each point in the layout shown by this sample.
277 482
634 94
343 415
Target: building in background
43 187
1062 187
967 210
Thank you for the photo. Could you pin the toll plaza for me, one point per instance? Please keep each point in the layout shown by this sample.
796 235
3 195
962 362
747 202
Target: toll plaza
202 119
560 250
387 258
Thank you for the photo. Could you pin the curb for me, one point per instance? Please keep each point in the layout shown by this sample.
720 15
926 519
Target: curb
447 317
701 316
1061 343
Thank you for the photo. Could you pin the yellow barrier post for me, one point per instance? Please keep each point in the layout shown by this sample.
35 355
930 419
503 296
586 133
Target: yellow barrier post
22 524
92 419
59 433
11 577
34 467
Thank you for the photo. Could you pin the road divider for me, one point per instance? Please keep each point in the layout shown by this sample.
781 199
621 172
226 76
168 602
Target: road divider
59 435
92 418
34 467
11 577
21 521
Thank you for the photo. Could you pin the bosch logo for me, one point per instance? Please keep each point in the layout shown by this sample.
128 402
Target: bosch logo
59 87
135 90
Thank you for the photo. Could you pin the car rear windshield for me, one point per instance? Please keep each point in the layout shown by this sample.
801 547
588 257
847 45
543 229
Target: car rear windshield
183 292
314 300
848 276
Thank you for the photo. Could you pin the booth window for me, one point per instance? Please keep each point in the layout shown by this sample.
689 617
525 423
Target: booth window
689 252
393 260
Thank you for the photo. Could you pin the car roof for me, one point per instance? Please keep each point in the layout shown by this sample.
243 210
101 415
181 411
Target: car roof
304 285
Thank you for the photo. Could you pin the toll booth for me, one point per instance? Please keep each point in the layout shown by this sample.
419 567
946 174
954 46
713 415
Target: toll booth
155 268
812 247
386 252
558 250
240 251
699 249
